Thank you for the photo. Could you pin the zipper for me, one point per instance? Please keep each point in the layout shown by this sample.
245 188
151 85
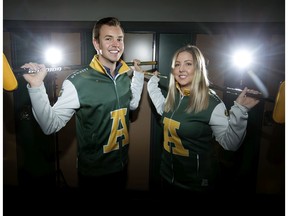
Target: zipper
171 149
198 164
118 102
116 92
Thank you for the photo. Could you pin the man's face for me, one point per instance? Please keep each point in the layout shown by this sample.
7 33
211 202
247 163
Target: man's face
110 46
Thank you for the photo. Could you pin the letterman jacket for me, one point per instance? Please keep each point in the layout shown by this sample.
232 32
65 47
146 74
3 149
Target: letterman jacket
101 104
188 158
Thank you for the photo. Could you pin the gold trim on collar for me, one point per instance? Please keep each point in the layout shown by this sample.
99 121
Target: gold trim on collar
97 65
186 92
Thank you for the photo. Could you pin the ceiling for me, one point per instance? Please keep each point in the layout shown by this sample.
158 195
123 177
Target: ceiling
148 10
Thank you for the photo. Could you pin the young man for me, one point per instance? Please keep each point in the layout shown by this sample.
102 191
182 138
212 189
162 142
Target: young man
101 97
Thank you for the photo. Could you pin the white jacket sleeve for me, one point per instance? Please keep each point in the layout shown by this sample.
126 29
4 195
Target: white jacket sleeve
229 131
52 119
136 89
155 94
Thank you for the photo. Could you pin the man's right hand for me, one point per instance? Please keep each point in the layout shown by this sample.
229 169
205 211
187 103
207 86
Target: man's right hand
35 78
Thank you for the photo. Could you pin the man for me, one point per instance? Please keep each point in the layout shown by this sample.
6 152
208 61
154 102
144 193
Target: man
101 97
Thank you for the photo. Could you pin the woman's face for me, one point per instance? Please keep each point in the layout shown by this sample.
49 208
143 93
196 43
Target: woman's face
184 69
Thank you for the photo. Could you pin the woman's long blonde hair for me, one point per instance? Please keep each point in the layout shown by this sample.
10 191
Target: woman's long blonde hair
199 96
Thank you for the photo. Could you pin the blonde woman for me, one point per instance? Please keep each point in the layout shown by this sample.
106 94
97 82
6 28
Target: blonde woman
193 116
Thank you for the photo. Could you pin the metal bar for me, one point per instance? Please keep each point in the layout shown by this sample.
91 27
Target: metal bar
143 63
75 67
49 69
151 74
237 91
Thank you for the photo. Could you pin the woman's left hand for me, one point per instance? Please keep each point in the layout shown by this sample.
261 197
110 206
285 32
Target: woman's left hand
247 101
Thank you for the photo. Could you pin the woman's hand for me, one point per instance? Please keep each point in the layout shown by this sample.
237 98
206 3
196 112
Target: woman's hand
156 73
247 101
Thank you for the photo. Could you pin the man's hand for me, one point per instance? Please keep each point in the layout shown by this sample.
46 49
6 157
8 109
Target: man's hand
36 74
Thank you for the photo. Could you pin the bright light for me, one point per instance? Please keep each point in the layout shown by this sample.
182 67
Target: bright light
53 56
242 59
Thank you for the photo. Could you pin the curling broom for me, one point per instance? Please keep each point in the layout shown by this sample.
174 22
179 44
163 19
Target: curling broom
9 80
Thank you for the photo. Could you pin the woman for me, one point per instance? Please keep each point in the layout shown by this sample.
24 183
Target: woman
193 116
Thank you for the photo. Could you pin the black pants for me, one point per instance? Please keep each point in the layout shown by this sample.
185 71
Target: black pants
112 183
